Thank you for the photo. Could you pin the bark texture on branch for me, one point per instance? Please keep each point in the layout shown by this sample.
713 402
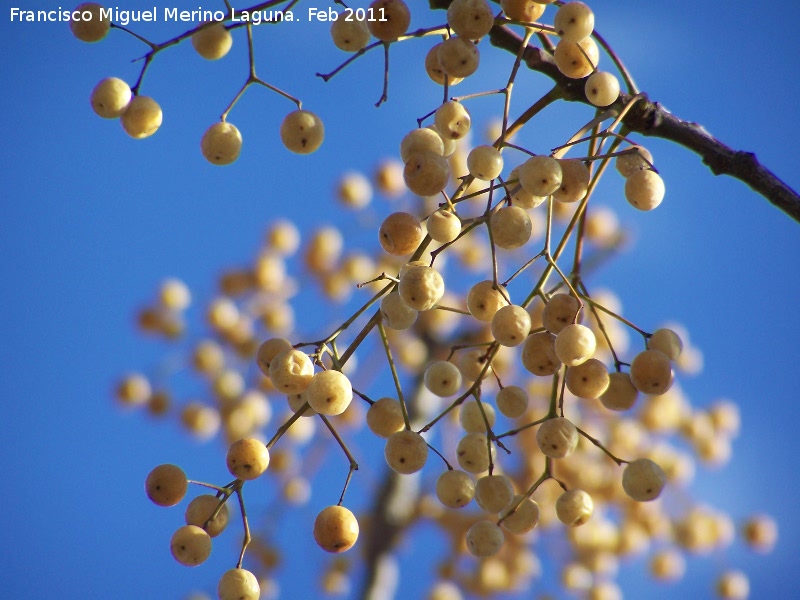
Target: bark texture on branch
651 119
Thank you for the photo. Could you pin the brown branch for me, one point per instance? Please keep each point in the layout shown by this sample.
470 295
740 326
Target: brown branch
651 119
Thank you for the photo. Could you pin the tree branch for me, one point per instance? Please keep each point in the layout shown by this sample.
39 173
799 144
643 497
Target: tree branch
651 119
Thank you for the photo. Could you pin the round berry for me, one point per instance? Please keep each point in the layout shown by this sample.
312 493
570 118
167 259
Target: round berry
644 189
442 378
643 480
574 21
350 36
557 437
484 300
212 42
142 118
444 226
92 26
166 485
574 508
511 324
455 488
575 344
329 392
302 132
238 584
201 509
426 173
393 21
385 417
247 458
484 539
459 57
406 451
524 518
221 143
110 98
512 401
190 545
471 19
335 529
400 233
421 287
511 227
493 493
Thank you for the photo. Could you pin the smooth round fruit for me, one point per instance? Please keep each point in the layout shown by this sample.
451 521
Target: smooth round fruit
110 98
422 139
350 36
268 350
643 480
221 143
471 19
574 21
667 341
212 42
651 372
444 226
471 416
190 545
442 378
575 344
455 488
426 173
354 190
589 379
247 458
733 585
493 493
485 162
561 310
484 300
434 68
540 175
512 401
524 518
473 453
459 57
638 158
142 118
238 584
291 370
602 88
526 11
302 132
400 233
392 19
452 120
406 451
199 511
644 189
91 29
557 437
577 60
621 394
166 485
511 325
396 313
511 227
329 392
539 354
385 417
574 508
484 539
575 178
335 529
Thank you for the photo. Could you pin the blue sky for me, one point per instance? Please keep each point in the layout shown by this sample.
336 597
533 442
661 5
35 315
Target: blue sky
92 221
